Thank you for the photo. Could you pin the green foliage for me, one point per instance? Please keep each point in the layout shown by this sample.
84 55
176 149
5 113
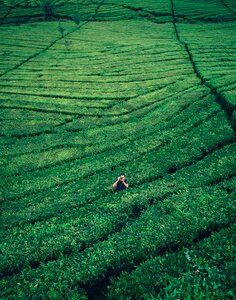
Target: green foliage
82 104
204 271
48 8
178 221
60 28
76 19
214 64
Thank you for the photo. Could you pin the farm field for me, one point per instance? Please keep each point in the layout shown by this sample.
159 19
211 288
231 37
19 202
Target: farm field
90 90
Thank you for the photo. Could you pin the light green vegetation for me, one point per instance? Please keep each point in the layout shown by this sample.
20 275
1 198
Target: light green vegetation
144 88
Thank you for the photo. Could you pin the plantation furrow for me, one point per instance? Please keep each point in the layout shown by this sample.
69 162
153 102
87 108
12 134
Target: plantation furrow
150 108
187 261
33 56
20 47
41 110
88 81
200 172
151 15
66 143
121 12
134 9
186 219
115 223
108 122
131 106
117 77
103 288
74 158
67 97
97 9
125 48
72 180
127 69
227 87
121 214
166 57
49 130
144 89
109 149
218 96
149 134
72 211
153 175
165 187
227 6
100 81
83 105
23 145
96 72
136 52
62 102
123 112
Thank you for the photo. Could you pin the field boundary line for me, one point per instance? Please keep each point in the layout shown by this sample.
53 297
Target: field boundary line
100 285
219 98
107 125
31 57
171 170
227 6
107 114
134 214
52 43
154 14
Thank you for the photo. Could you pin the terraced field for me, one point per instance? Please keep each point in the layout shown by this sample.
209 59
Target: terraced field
93 89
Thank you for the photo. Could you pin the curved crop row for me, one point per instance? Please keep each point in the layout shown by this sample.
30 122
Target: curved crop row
77 229
195 267
152 142
147 191
95 138
101 88
213 10
151 233
215 67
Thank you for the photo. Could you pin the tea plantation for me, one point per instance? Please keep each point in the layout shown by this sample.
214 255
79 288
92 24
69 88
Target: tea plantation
89 90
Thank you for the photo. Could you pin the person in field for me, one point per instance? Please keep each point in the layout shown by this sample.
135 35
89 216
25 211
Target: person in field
121 183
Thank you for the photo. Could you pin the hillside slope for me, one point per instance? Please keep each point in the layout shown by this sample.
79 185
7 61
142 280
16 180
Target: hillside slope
90 90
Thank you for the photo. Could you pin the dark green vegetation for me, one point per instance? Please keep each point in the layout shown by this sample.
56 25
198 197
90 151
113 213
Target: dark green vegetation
90 90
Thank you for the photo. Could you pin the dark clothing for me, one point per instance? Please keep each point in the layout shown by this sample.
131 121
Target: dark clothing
120 185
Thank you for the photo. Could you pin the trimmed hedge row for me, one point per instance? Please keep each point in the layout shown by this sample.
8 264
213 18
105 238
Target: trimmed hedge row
97 141
76 229
27 127
90 188
214 65
114 127
203 271
39 36
176 222
212 11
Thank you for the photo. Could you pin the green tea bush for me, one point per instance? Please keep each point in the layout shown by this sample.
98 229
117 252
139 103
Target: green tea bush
81 105
76 18
48 8
188 216
158 167
203 271
101 218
